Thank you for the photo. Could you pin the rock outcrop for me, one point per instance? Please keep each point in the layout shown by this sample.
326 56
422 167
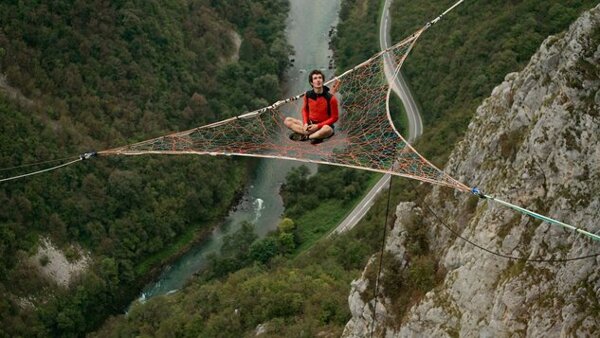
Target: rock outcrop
54 264
534 142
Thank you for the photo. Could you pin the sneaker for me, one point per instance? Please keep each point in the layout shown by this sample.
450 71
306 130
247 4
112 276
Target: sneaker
315 141
298 137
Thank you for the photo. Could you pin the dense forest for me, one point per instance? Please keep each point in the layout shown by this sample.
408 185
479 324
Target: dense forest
458 62
358 33
85 75
294 281
313 281
274 281
137 69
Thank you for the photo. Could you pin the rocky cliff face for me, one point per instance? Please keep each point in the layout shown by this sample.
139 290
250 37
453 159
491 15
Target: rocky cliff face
533 142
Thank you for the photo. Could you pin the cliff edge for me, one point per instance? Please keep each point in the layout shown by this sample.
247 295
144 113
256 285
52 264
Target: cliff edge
533 142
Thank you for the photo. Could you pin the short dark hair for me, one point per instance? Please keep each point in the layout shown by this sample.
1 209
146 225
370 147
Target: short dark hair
315 72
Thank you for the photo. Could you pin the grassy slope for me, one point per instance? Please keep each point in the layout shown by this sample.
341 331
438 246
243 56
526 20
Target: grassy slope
326 217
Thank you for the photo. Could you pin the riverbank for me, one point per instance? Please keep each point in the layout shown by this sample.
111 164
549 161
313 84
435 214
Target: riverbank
264 206
154 266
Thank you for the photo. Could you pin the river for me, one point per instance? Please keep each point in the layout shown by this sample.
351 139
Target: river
308 30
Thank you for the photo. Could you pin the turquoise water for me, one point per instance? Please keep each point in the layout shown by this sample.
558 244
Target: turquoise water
308 27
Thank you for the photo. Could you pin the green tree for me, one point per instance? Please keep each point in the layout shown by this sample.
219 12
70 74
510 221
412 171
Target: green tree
263 250
286 242
286 225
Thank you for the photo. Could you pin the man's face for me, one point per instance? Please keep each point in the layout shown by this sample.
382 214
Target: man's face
317 81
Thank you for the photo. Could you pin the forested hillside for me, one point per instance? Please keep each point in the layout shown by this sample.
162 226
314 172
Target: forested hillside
125 211
85 75
246 302
275 285
357 37
457 62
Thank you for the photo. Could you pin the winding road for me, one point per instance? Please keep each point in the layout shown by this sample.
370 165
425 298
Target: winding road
415 124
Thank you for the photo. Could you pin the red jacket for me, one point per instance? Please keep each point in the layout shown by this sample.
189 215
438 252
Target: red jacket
317 106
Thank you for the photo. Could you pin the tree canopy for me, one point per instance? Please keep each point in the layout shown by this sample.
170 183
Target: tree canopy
93 75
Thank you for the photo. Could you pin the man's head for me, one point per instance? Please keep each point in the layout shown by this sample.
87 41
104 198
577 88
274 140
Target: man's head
316 78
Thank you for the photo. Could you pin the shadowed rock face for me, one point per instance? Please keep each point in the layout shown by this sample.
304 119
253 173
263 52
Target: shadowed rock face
534 142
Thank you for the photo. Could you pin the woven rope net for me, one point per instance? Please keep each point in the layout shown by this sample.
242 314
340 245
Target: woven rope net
365 137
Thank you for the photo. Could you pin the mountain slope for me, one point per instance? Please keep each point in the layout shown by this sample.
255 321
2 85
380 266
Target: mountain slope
79 75
535 142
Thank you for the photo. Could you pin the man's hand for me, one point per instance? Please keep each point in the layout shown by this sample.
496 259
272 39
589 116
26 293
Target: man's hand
312 128
336 86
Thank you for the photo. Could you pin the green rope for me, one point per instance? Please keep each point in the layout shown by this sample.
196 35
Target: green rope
543 218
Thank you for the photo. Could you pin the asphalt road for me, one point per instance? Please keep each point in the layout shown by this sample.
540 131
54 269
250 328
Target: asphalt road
398 84
400 88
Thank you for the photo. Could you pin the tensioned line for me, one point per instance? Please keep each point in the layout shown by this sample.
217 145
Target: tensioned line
365 139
